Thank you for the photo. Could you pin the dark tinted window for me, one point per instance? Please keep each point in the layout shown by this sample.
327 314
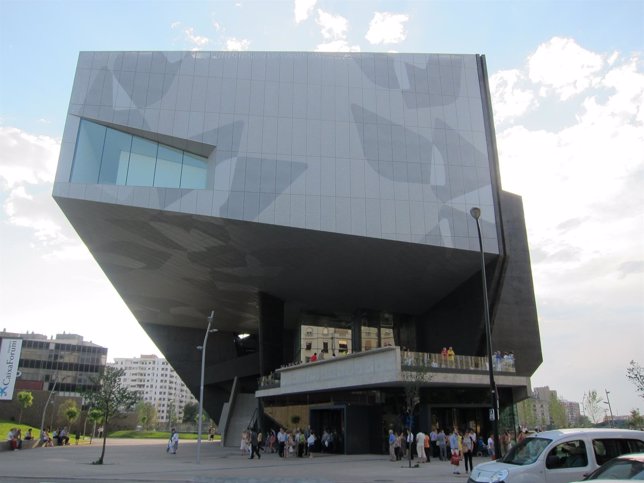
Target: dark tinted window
607 449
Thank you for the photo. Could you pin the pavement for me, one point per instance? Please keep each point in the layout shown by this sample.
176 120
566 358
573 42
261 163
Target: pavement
128 460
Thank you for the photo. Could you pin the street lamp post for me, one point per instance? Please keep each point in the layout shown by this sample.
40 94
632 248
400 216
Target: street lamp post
494 415
51 393
203 369
612 419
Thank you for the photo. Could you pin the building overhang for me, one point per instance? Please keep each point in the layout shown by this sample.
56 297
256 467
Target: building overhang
377 368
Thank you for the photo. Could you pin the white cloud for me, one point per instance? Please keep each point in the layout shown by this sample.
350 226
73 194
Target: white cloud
581 183
26 158
196 41
302 9
563 66
333 27
510 98
237 44
334 30
387 28
26 176
337 46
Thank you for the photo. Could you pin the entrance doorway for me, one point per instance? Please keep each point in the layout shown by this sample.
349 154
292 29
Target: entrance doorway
329 424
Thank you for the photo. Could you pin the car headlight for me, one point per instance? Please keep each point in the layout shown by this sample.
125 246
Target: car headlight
499 476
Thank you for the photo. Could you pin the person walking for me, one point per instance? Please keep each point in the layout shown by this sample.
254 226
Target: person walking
254 445
420 447
173 442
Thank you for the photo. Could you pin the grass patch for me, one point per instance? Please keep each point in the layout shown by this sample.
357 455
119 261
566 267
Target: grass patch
5 427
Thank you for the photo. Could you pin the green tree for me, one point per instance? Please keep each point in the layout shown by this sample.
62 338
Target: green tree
147 414
69 411
415 373
636 421
592 405
635 374
190 412
25 400
96 417
557 412
111 398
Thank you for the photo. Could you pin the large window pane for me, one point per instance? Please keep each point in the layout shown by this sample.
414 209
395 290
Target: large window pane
194 173
89 147
168 173
116 157
142 161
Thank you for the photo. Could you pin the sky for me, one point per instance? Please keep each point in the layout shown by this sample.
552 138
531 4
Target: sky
567 84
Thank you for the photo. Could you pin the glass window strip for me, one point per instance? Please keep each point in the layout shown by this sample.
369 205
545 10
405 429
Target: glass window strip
191 171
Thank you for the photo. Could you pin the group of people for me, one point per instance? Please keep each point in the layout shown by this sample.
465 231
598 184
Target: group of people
455 447
60 437
287 443
14 438
405 445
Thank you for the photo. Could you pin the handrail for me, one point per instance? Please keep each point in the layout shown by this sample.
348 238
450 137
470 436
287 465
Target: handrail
410 361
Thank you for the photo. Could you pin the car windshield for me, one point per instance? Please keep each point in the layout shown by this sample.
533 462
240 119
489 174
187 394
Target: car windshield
526 452
619 469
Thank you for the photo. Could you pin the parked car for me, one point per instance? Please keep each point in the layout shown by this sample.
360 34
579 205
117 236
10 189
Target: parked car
559 456
625 467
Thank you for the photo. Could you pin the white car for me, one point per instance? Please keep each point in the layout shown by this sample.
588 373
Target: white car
559 456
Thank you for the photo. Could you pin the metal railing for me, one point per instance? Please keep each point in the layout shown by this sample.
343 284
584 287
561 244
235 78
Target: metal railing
409 360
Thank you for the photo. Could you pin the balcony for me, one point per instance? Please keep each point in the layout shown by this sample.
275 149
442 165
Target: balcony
386 367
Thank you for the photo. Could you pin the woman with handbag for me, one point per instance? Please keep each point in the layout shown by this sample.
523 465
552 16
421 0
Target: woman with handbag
455 459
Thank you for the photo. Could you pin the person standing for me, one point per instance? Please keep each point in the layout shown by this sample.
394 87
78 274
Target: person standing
451 357
441 438
392 445
456 457
281 442
433 441
420 446
310 441
468 449
490 447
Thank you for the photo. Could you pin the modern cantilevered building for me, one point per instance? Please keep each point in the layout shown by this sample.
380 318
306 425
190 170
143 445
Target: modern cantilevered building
317 203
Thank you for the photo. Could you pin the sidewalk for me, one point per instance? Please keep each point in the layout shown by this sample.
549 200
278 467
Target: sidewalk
147 461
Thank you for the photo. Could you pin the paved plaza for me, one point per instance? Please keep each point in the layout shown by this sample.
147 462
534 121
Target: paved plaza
147 461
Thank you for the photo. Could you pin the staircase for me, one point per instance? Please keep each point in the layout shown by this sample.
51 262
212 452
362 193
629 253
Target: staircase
238 414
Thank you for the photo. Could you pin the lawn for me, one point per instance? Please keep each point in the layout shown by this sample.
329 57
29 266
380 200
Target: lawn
5 426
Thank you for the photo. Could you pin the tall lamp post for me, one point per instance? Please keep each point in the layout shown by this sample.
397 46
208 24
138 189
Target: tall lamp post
494 415
51 393
203 369
612 419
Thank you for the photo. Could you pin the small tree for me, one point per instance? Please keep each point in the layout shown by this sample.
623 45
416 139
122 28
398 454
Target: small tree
635 374
557 412
592 405
69 411
636 421
190 412
147 414
110 398
415 373
25 399
95 416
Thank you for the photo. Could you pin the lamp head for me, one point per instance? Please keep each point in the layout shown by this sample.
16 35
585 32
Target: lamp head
475 212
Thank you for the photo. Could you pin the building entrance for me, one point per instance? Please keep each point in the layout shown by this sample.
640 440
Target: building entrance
329 424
